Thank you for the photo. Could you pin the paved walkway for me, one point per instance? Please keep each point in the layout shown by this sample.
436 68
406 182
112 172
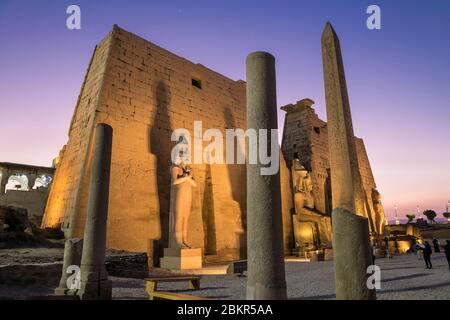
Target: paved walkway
403 277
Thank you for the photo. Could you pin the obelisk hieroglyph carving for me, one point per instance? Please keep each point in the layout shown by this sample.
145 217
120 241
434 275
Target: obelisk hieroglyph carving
345 176
265 254
94 278
350 226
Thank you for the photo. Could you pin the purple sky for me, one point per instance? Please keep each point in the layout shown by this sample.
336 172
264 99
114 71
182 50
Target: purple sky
398 77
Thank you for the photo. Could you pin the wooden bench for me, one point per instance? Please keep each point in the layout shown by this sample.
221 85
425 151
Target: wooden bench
163 295
151 285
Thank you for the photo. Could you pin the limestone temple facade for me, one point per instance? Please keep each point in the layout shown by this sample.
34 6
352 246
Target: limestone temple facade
305 138
144 93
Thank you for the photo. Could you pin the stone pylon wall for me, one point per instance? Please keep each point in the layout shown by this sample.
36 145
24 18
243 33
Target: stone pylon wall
306 136
145 92
368 182
70 173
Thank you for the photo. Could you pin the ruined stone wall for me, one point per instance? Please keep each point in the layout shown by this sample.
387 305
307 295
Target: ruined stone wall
33 200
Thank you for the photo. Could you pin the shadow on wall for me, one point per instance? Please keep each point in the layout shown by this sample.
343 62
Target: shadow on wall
160 145
328 194
208 215
238 177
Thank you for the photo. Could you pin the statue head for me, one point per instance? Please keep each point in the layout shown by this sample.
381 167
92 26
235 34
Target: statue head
297 166
181 152
300 169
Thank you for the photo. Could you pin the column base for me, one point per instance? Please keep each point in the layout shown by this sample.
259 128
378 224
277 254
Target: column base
180 259
259 292
351 251
96 290
65 292
72 257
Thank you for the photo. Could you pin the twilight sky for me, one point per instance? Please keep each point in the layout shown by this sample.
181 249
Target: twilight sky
398 77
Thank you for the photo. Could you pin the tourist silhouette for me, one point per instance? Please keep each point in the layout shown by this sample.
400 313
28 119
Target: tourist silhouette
427 255
447 252
436 245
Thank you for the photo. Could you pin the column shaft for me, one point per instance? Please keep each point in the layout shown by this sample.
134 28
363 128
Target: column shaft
94 278
266 273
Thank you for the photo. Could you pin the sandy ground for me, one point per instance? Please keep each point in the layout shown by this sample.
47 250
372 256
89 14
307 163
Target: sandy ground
31 255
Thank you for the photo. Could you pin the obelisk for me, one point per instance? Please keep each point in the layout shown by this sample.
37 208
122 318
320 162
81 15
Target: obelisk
265 254
351 242
94 278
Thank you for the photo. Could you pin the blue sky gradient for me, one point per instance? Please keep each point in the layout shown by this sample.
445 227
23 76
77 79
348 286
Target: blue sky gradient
398 77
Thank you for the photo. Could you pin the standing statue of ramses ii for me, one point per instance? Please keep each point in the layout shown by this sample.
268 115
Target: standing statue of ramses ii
182 181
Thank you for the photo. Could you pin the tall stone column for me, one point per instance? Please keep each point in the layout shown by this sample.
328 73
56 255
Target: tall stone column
351 242
266 274
94 278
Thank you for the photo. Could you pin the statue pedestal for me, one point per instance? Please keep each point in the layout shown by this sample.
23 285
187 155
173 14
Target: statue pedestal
180 258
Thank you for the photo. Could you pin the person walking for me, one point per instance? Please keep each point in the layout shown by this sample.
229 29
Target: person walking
447 252
427 255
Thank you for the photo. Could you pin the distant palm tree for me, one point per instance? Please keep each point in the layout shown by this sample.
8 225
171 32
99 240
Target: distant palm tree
430 214
410 217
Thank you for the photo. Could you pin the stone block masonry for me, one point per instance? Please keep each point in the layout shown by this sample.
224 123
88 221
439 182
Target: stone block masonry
145 92
305 135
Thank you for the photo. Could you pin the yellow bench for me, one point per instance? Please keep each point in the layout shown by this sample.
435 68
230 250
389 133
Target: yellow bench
151 286
163 295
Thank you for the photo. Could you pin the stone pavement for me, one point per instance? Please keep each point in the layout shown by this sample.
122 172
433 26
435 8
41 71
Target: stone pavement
403 277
